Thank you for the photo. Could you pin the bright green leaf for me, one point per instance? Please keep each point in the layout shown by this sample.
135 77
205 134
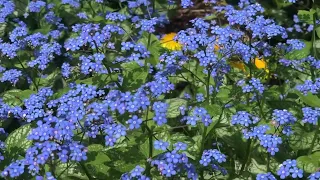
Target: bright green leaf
174 104
306 16
300 139
70 171
134 75
309 164
309 99
17 143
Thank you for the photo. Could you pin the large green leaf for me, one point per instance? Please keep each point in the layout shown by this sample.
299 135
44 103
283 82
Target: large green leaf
310 163
153 44
134 75
309 99
17 143
21 7
213 109
96 160
300 139
70 171
174 104
3 29
10 99
306 16
223 93
257 168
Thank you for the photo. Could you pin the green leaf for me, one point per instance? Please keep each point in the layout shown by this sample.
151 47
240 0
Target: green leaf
300 54
300 139
99 80
17 143
20 6
309 99
317 46
306 16
70 171
127 27
10 98
174 104
210 17
281 104
257 168
96 159
213 109
154 46
3 29
134 75
223 93
309 164
60 92
15 96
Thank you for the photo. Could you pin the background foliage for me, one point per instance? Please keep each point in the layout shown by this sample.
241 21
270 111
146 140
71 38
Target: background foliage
159 89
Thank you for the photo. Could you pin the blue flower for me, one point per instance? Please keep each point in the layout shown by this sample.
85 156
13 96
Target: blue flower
134 122
161 145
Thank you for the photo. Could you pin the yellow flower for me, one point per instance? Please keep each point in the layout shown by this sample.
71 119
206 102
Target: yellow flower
260 63
216 47
168 42
238 64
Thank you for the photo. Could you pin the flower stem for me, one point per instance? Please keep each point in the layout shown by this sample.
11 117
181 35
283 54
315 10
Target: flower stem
150 139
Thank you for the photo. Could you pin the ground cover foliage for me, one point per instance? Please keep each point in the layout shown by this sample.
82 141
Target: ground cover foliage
95 89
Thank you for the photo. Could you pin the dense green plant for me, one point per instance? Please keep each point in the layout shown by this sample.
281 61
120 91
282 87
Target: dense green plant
93 89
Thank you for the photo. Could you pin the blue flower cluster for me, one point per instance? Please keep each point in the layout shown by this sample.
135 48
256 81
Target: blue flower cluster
2 145
311 115
11 75
265 176
302 64
198 114
67 116
135 173
299 26
289 169
6 8
251 131
173 162
254 85
213 157
309 86
244 119
314 176
284 118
